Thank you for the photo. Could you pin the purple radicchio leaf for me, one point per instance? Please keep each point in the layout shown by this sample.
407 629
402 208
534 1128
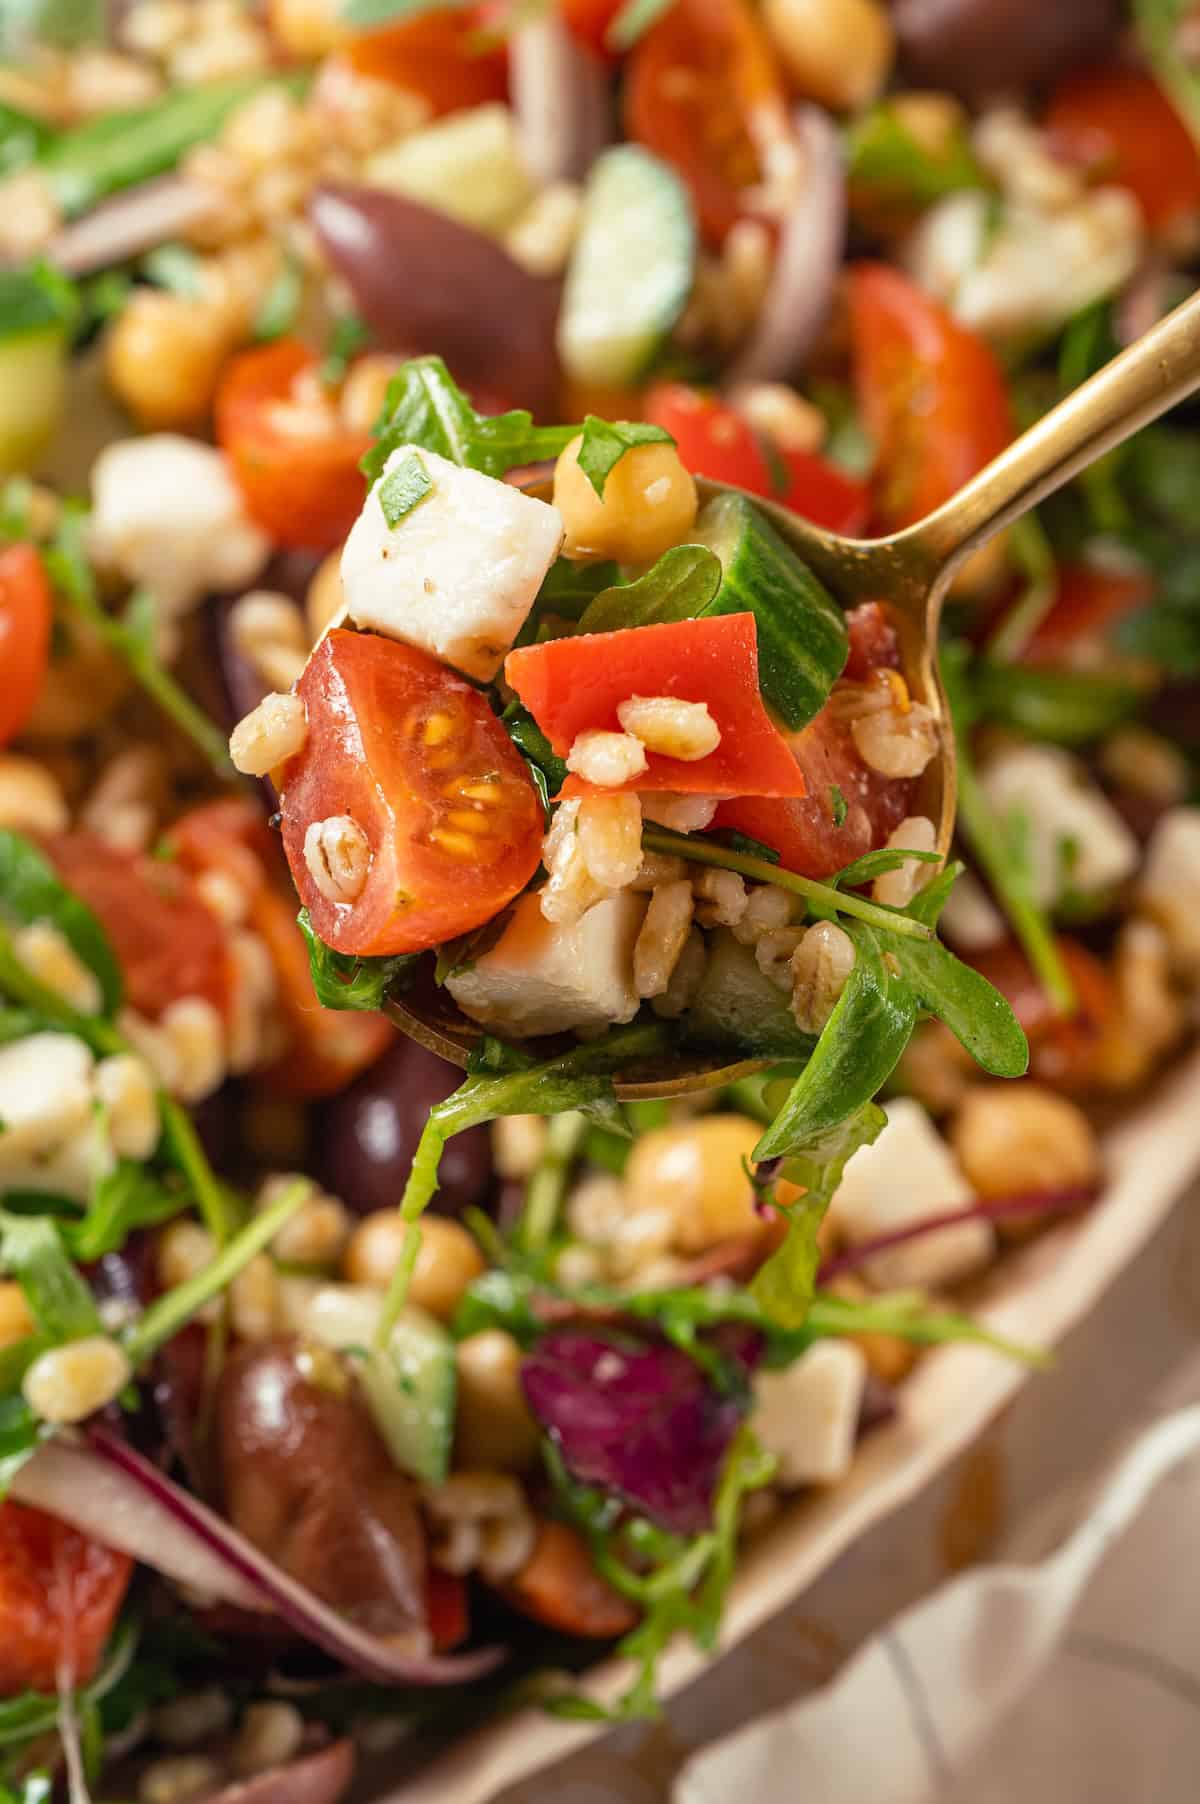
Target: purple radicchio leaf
640 1419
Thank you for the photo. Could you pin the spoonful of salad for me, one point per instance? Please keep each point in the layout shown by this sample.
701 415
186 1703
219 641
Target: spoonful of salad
636 774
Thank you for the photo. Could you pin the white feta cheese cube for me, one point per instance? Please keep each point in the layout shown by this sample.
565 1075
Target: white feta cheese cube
545 977
908 1175
52 1136
807 1415
168 515
458 572
1075 837
1170 885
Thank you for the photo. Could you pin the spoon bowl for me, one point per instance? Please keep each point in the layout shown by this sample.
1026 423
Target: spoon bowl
911 571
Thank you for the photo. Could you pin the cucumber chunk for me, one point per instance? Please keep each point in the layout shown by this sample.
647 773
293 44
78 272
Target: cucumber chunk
737 1009
631 270
468 166
802 638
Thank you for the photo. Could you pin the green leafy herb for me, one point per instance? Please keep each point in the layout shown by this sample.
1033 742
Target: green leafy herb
175 267
126 1199
280 306
878 864
605 443
343 981
569 589
35 1713
785 1283
1067 707
1160 26
21 138
680 586
36 299
837 803
632 20
548 770
348 337
32 1251
426 407
31 890
1030 547
743 843
547 1186
369 13
893 175
461 954
403 488
131 638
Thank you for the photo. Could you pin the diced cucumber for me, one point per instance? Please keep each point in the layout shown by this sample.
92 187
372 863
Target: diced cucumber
737 1009
468 165
37 309
802 639
409 1386
631 270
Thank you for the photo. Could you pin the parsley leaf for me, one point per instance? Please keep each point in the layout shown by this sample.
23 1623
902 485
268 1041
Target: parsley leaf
605 443
426 407
404 487
342 981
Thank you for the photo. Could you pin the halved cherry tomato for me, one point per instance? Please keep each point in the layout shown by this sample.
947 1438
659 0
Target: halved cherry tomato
573 686
168 944
559 1586
436 54
932 394
1065 1051
589 22
1087 605
446 1610
1120 123
326 1047
299 476
26 610
416 757
715 441
703 91
59 1595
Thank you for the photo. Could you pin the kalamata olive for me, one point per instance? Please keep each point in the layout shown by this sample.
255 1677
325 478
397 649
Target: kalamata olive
305 1475
426 283
981 47
365 1137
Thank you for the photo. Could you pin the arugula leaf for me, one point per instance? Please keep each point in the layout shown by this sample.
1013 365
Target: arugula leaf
678 587
892 175
785 1283
1159 26
743 843
548 770
21 138
31 890
59 1301
36 299
343 981
977 1015
569 589
403 488
128 1198
605 443
426 407
280 306
878 864
1067 707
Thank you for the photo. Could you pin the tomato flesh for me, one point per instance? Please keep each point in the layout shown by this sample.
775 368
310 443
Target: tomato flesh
1119 122
26 611
436 54
715 441
931 393
573 686
416 757
167 943
302 486
59 1595
1088 603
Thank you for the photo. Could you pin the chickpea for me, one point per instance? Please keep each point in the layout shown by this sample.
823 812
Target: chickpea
163 357
15 1319
494 1430
306 28
446 1263
698 1170
649 504
838 52
1019 1137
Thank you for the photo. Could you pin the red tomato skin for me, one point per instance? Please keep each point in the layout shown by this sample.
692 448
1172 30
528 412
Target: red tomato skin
435 54
26 615
369 701
305 491
59 1595
932 395
573 685
168 944
588 22
716 442
1119 121
1088 603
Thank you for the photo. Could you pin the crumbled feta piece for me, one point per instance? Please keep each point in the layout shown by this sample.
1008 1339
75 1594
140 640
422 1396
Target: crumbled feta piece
1075 838
1169 888
545 977
51 1136
807 1414
168 515
908 1175
458 572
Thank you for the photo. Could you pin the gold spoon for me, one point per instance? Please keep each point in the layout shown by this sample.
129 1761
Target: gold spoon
912 571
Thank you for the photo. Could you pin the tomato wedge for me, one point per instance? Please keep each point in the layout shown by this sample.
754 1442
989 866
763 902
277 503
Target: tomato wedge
416 757
168 944
297 467
59 1595
1119 122
559 1586
436 54
703 91
26 612
589 22
1088 603
327 1048
932 394
1065 1051
573 686
715 441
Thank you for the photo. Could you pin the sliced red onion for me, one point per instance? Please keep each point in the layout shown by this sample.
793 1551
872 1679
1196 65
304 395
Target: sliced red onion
425 282
1025 1207
561 97
128 225
111 1492
807 261
320 1778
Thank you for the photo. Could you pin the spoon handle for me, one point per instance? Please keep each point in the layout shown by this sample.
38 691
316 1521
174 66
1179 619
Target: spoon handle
1158 370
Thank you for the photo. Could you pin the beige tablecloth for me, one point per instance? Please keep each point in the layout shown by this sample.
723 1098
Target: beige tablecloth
1134 1350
